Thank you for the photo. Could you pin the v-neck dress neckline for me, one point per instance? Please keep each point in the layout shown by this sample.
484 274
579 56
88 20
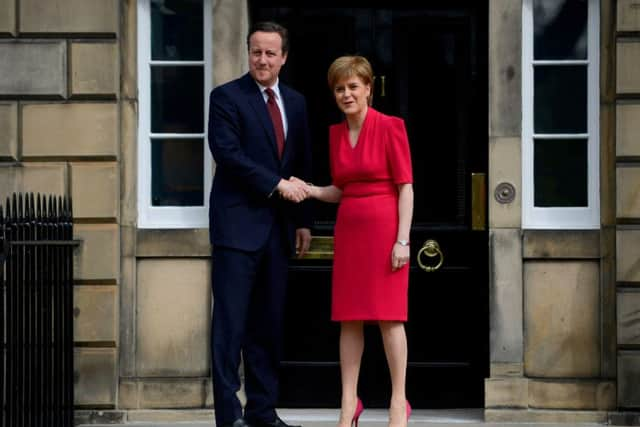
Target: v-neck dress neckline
359 140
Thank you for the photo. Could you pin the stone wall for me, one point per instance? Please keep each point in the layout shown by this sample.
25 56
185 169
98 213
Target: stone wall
553 299
59 116
627 152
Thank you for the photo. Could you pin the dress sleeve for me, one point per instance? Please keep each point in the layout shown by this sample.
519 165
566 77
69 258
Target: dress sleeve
398 152
333 152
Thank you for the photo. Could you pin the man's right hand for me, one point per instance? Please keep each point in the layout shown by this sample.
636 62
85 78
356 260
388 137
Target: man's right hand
292 191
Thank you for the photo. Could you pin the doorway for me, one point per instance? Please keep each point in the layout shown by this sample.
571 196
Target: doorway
430 65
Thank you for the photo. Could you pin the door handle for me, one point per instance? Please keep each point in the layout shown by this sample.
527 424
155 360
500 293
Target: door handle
431 249
383 85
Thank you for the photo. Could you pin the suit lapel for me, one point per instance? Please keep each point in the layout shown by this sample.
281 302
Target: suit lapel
256 100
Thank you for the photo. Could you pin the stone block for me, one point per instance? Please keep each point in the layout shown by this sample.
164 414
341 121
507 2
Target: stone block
627 65
628 379
607 177
166 416
129 50
628 194
607 46
627 129
230 57
628 312
628 15
173 243
506 339
33 68
8 17
95 313
502 369
94 69
505 167
9 133
128 394
127 316
128 164
69 16
505 74
98 416
562 319
70 130
608 301
173 317
178 393
506 393
554 416
572 395
94 187
628 255
43 178
98 257
95 376
556 244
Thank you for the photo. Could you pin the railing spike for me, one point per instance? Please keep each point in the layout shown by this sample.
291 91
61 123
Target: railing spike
32 207
20 207
38 207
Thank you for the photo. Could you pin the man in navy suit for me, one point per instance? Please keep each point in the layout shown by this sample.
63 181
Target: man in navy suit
259 138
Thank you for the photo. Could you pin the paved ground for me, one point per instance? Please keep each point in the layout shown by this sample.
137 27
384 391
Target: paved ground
371 417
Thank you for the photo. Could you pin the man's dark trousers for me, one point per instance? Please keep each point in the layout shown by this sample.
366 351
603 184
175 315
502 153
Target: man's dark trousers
248 310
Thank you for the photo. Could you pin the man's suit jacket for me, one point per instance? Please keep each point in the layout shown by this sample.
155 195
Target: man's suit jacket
243 204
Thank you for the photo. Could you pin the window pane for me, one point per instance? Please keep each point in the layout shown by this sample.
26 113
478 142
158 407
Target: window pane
177 170
560 99
176 30
560 29
177 103
560 173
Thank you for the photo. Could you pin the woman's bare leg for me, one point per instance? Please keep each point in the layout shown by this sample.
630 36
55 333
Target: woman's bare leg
351 348
395 348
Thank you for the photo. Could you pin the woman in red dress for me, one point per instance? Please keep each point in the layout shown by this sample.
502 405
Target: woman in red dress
372 181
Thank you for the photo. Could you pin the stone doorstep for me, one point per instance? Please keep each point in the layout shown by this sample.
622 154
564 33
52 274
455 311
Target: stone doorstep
315 416
328 417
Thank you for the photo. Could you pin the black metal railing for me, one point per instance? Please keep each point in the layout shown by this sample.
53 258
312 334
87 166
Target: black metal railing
36 311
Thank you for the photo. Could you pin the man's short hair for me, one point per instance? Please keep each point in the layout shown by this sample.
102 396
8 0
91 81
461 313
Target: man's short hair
271 27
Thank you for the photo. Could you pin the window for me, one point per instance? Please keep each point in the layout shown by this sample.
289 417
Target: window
174 80
560 114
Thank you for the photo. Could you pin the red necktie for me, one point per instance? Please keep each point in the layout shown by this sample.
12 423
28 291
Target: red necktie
276 118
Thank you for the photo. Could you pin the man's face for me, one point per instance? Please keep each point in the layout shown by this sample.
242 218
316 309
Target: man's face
265 57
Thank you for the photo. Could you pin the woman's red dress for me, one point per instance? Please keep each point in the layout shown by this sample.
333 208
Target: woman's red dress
364 285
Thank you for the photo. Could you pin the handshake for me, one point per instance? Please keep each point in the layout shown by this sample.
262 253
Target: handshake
295 190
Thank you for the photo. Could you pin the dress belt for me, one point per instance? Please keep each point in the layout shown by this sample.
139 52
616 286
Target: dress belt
370 188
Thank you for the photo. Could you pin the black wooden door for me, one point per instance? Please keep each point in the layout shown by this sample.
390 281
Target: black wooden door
430 66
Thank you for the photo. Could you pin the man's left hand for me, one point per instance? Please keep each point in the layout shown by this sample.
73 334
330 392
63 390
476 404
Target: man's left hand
303 240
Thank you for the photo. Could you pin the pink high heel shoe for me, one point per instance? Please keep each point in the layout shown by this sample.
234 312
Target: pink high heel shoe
408 410
356 415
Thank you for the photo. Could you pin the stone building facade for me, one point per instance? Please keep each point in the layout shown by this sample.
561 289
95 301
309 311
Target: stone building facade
564 302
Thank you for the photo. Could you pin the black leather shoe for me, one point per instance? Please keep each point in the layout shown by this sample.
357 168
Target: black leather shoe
240 422
275 423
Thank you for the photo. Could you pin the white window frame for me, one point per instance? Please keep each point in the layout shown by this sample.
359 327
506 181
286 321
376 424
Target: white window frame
169 216
561 217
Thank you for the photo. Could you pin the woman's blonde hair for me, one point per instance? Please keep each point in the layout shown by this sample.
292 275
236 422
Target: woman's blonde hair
349 66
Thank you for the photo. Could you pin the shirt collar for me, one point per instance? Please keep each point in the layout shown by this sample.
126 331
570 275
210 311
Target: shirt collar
275 88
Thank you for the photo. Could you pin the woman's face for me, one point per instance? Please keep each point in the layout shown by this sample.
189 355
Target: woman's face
351 95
